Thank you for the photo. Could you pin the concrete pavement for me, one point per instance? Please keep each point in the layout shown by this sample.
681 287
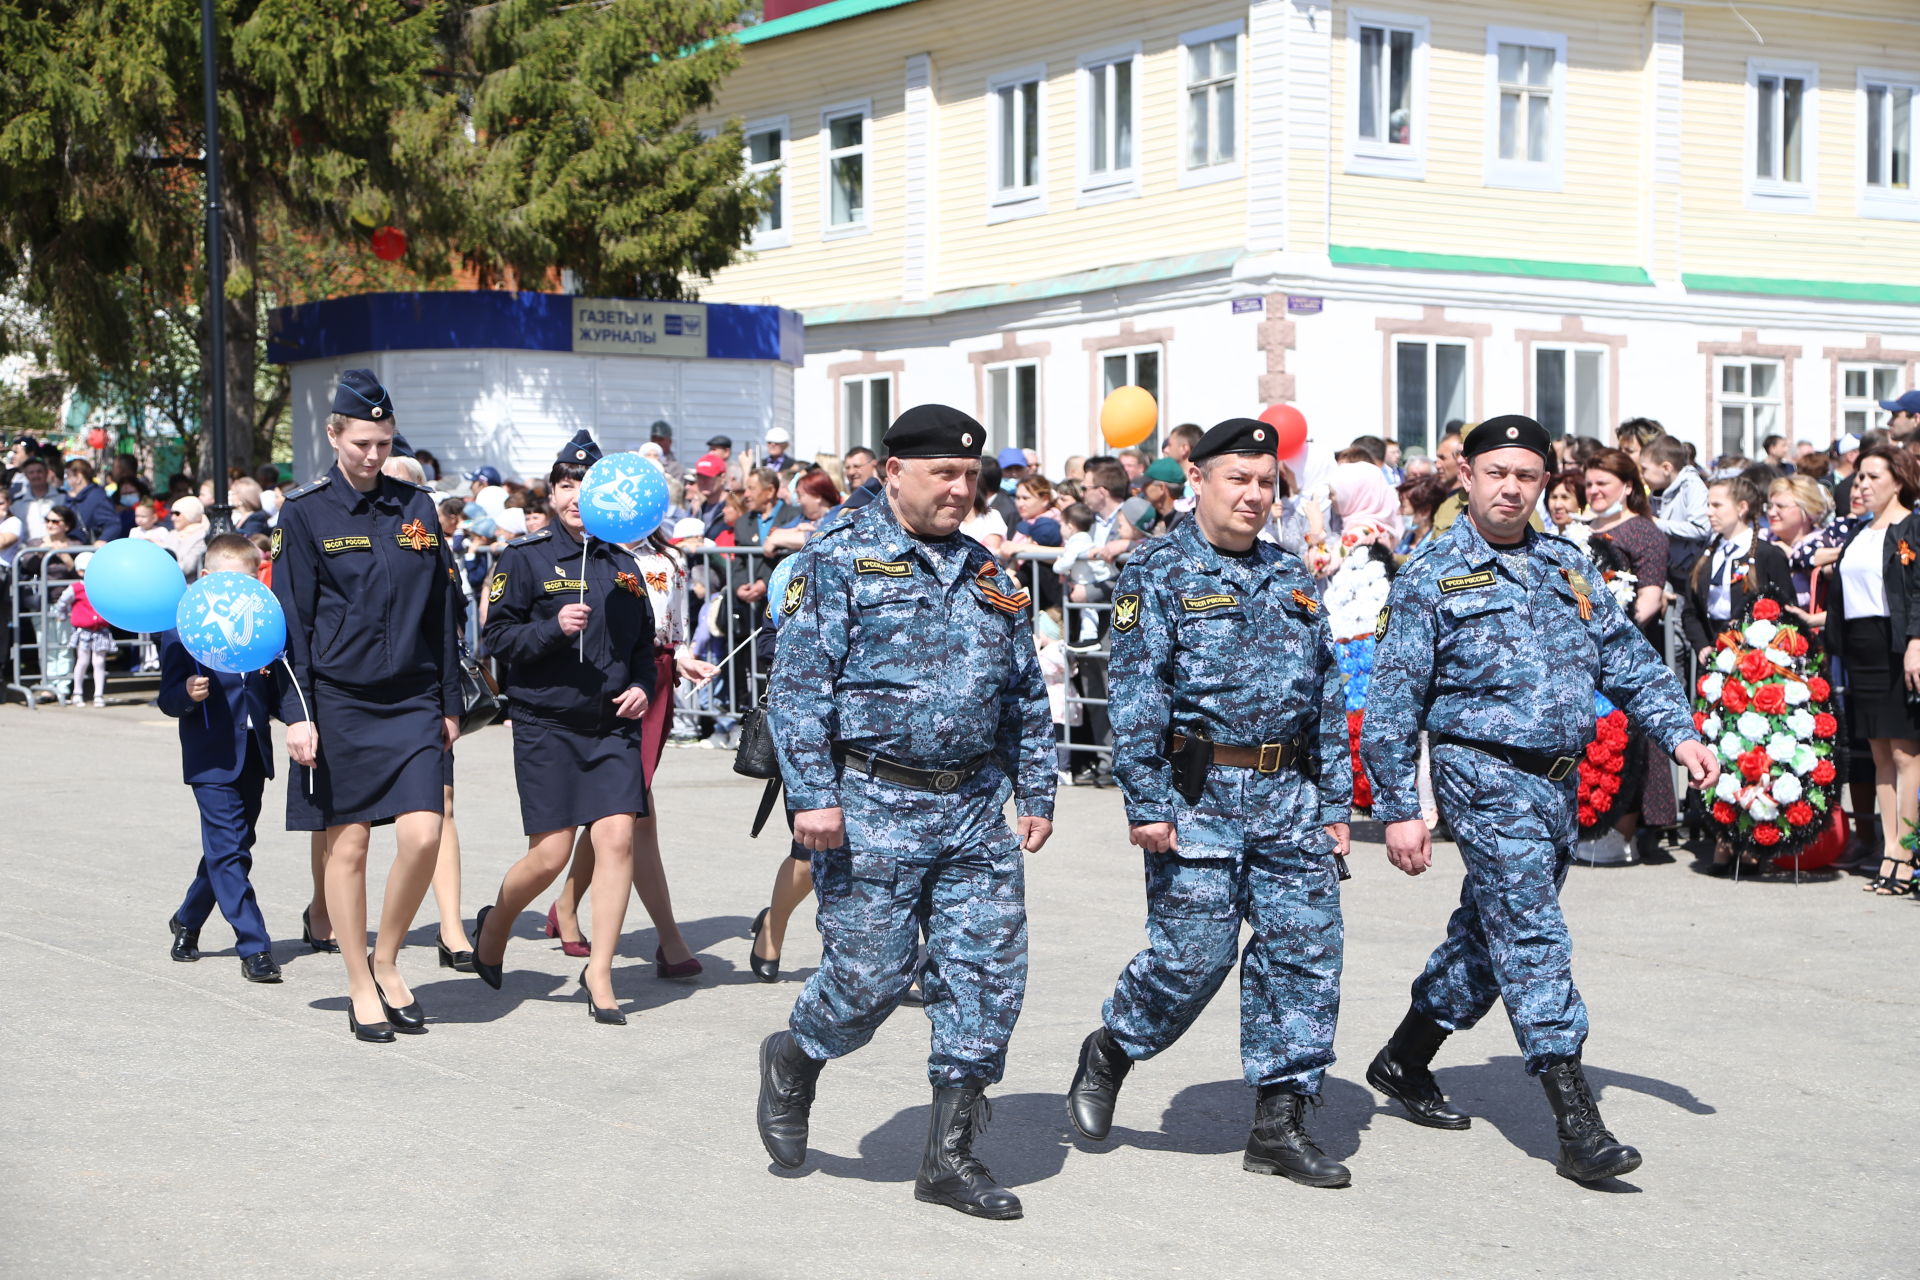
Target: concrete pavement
163 1120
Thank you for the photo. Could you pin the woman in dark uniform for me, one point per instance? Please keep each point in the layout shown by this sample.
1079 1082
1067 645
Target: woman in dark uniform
573 627
373 698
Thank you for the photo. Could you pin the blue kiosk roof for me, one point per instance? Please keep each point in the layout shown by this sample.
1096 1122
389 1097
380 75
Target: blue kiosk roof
440 321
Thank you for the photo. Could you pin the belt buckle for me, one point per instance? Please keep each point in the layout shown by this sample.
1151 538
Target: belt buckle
1562 766
1273 749
945 781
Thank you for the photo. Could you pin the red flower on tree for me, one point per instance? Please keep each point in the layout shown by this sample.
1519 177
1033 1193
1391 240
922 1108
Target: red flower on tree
1770 699
1723 813
1754 765
1734 697
1767 834
1823 773
1825 726
1754 666
1800 813
1819 689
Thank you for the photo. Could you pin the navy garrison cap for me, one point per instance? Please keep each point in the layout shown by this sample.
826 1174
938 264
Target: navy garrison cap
581 450
1508 431
1235 435
360 395
934 431
401 449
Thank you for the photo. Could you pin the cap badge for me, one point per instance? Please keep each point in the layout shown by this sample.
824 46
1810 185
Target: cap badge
966 438
1513 433
377 411
1259 434
580 455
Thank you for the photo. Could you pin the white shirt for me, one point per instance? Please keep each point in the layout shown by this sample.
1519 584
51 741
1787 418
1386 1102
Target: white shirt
987 525
1727 558
665 579
13 526
1863 582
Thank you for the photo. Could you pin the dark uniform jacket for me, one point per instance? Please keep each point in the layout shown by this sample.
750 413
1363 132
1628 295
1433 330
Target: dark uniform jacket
368 588
214 735
545 675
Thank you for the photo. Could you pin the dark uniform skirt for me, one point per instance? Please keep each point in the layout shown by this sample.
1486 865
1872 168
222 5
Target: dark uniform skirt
380 756
1876 692
568 778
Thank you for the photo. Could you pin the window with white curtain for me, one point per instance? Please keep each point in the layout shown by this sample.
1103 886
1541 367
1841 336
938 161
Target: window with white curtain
845 156
1429 390
1109 125
1526 91
1887 108
1749 405
1569 390
1210 66
1781 134
1386 94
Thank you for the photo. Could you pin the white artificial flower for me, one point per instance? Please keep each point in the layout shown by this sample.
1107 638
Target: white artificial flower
1761 809
1781 748
1804 758
1800 724
1786 789
1797 693
1710 728
1725 661
1752 726
1731 748
1779 659
1761 633
1711 685
1728 788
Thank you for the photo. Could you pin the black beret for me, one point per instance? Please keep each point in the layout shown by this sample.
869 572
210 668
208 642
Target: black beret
720 442
360 395
934 431
401 449
1508 431
1236 435
581 450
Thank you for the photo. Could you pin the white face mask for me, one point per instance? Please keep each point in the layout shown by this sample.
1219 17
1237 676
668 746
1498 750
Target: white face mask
1607 513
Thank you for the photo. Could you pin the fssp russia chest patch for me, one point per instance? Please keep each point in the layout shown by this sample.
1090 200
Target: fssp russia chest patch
1466 582
891 568
1202 604
334 546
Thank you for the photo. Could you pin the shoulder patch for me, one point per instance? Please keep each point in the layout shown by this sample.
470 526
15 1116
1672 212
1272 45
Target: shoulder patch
796 592
311 486
1126 611
279 539
1467 581
890 568
1380 624
496 588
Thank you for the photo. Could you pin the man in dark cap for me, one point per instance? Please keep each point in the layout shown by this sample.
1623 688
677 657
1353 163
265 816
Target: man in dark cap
1494 642
661 433
722 445
1230 747
907 706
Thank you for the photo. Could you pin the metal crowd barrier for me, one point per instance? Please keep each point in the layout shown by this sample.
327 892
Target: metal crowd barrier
39 644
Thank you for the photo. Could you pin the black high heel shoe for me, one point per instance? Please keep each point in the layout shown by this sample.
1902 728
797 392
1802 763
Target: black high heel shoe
610 1017
458 961
408 1020
763 969
325 945
489 973
372 1032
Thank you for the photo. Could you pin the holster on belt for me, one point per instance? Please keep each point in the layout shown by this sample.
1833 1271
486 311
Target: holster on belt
1190 761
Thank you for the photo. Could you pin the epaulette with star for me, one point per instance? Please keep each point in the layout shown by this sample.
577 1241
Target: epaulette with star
311 486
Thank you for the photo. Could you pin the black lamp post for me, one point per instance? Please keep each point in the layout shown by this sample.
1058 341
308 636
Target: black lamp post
220 514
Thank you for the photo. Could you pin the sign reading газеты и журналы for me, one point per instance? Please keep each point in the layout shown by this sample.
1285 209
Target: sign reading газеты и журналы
614 326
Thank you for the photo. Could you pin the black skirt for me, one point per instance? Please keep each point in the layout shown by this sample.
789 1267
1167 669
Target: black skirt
568 778
380 756
1877 704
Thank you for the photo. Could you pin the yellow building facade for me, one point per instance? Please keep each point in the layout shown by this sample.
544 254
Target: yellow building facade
1392 216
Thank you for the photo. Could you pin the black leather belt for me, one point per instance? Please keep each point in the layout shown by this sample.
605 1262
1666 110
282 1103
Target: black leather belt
1268 757
905 775
1540 765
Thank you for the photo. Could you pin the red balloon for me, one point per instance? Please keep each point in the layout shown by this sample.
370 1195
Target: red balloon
1289 428
96 438
389 244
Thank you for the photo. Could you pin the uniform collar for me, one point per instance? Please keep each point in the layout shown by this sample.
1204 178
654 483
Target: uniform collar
353 501
1209 557
943 556
1475 551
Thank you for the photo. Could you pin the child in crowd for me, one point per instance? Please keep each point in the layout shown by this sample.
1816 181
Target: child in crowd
92 637
1678 494
226 750
1078 567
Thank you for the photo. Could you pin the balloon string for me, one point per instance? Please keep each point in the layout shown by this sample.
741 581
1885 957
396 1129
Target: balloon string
586 547
205 723
307 711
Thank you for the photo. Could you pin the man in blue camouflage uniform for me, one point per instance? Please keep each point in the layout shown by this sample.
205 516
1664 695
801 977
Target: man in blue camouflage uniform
1494 641
1230 746
907 705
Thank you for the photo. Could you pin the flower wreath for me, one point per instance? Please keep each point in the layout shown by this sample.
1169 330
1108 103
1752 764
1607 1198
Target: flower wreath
1766 710
1604 766
1353 598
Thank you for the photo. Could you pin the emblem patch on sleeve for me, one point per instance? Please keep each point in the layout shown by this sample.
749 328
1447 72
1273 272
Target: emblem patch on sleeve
497 588
1380 625
796 592
1467 581
279 536
1126 612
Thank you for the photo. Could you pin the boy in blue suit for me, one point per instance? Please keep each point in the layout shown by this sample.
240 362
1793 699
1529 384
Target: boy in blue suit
226 750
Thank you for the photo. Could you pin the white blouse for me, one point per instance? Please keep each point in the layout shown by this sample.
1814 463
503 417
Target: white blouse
1863 582
665 578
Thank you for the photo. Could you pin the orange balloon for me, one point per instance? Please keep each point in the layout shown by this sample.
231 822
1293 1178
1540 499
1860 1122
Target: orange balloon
1127 416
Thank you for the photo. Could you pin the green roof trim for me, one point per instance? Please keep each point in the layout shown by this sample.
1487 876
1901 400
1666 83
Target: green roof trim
1342 255
1841 290
818 16
993 295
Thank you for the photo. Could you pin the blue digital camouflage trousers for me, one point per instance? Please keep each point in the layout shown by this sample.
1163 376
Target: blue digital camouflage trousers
917 862
1507 940
1289 972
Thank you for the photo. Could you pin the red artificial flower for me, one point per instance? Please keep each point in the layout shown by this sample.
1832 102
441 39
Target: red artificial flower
1800 813
1727 640
1588 816
1825 726
1610 784
1791 642
1700 685
1754 666
1766 834
1699 722
1734 697
1770 698
1723 813
1823 773
1766 610
1754 765
1819 689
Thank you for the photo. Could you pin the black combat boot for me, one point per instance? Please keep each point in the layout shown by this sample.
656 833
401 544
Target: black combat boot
949 1172
1096 1085
1279 1142
1400 1072
787 1077
1588 1153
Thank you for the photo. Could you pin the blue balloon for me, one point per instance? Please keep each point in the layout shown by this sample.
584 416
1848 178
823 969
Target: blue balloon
624 497
231 622
135 585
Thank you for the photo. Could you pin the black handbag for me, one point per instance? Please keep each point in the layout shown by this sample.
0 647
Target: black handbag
754 757
479 695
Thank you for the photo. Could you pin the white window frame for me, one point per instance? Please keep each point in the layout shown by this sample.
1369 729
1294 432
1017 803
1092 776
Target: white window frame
1870 403
829 230
1527 175
1115 184
1750 445
1151 445
1388 159
1192 175
1572 350
1776 194
1019 201
1436 420
782 236
1887 202
1005 433
869 437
